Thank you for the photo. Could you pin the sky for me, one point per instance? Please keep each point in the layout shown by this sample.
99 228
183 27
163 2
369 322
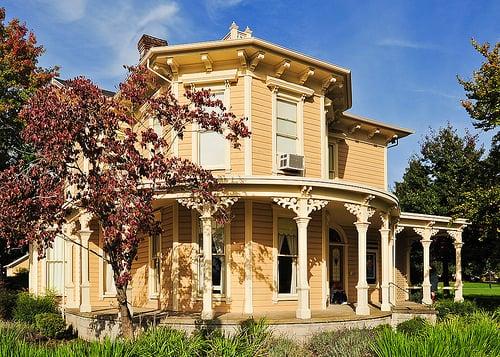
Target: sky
404 55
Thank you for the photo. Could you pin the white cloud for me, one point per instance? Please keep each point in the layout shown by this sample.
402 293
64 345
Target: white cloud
211 4
121 26
434 92
393 42
67 10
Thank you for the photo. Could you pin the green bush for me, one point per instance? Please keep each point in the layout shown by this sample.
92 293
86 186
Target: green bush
473 335
28 306
413 327
164 341
449 307
50 324
7 303
282 346
352 343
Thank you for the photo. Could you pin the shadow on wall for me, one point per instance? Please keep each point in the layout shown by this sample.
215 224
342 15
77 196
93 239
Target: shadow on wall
343 152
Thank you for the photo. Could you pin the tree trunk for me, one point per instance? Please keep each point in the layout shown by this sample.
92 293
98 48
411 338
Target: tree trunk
446 277
127 327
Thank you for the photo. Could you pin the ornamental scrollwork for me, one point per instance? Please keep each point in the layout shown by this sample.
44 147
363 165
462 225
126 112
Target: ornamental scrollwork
362 211
206 208
304 205
456 235
426 233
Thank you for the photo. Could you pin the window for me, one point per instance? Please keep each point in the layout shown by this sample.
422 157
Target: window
286 127
331 161
155 265
287 256
218 259
212 146
55 266
109 281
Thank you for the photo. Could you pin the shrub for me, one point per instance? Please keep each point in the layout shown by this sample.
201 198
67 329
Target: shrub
7 303
353 343
163 341
413 327
50 324
472 335
282 346
449 307
28 306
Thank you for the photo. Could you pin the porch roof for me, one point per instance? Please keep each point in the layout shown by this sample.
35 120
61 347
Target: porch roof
419 220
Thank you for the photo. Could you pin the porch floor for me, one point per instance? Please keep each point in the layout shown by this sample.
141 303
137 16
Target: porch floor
334 313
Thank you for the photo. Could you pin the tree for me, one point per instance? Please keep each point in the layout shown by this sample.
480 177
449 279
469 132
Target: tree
98 155
436 180
20 77
483 90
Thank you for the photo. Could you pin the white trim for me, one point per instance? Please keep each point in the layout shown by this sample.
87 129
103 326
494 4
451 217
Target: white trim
279 212
18 260
274 97
324 262
324 138
227 262
152 294
202 78
248 305
385 169
247 79
103 292
288 86
195 252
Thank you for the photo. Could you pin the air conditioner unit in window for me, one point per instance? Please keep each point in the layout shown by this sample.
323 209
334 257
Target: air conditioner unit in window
291 162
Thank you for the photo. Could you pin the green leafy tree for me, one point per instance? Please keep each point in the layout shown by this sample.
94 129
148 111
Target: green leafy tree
483 90
436 180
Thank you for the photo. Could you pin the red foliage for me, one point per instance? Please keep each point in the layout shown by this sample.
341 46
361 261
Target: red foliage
123 166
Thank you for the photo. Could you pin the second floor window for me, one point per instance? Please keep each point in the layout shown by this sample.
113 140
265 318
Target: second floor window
286 127
212 146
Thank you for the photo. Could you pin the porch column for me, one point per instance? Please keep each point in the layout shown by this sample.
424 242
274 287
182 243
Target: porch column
33 281
384 243
85 233
69 285
207 312
457 236
362 212
426 234
303 206
392 249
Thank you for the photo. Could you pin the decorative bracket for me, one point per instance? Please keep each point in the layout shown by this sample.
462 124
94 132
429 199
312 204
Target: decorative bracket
85 219
281 68
304 205
428 232
373 133
327 82
456 235
384 217
256 59
207 61
354 128
243 58
304 76
207 209
174 67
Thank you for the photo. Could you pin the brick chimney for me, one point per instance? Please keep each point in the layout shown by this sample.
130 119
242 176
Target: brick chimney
146 42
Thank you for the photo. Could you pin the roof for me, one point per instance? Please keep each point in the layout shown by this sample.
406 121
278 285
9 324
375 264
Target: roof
379 123
17 261
64 82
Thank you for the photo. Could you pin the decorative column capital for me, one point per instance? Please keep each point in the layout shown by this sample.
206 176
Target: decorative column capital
455 234
85 219
362 211
303 205
207 209
458 245
69 228
426 232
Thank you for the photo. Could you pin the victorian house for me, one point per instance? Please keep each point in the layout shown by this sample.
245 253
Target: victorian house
313 226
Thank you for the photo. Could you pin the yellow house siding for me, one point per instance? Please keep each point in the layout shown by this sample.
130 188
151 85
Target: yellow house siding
314 257
361 162
312 140
262 254
166 262
261 128
94 262
237 258
237 93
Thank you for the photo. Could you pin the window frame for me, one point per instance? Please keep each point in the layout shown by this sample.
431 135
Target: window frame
154 264
278 213
58 260
197 132
283 135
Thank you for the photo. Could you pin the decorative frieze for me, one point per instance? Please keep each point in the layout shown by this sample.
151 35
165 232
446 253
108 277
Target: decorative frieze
207 209
304 205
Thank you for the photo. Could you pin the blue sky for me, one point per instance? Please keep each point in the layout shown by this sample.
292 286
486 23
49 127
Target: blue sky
404 55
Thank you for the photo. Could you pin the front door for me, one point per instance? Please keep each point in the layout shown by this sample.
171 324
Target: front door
336 268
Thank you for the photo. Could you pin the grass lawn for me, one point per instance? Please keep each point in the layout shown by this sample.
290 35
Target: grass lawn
483 289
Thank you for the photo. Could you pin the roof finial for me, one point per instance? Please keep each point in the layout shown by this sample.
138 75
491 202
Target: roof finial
233 26
248 31
233 31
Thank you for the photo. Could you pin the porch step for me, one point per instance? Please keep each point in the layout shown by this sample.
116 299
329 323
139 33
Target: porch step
409 307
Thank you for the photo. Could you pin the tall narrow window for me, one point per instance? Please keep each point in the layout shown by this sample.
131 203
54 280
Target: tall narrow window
109 281
155 264
55 266
331 161
212 146
218 259
286 127
287 256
